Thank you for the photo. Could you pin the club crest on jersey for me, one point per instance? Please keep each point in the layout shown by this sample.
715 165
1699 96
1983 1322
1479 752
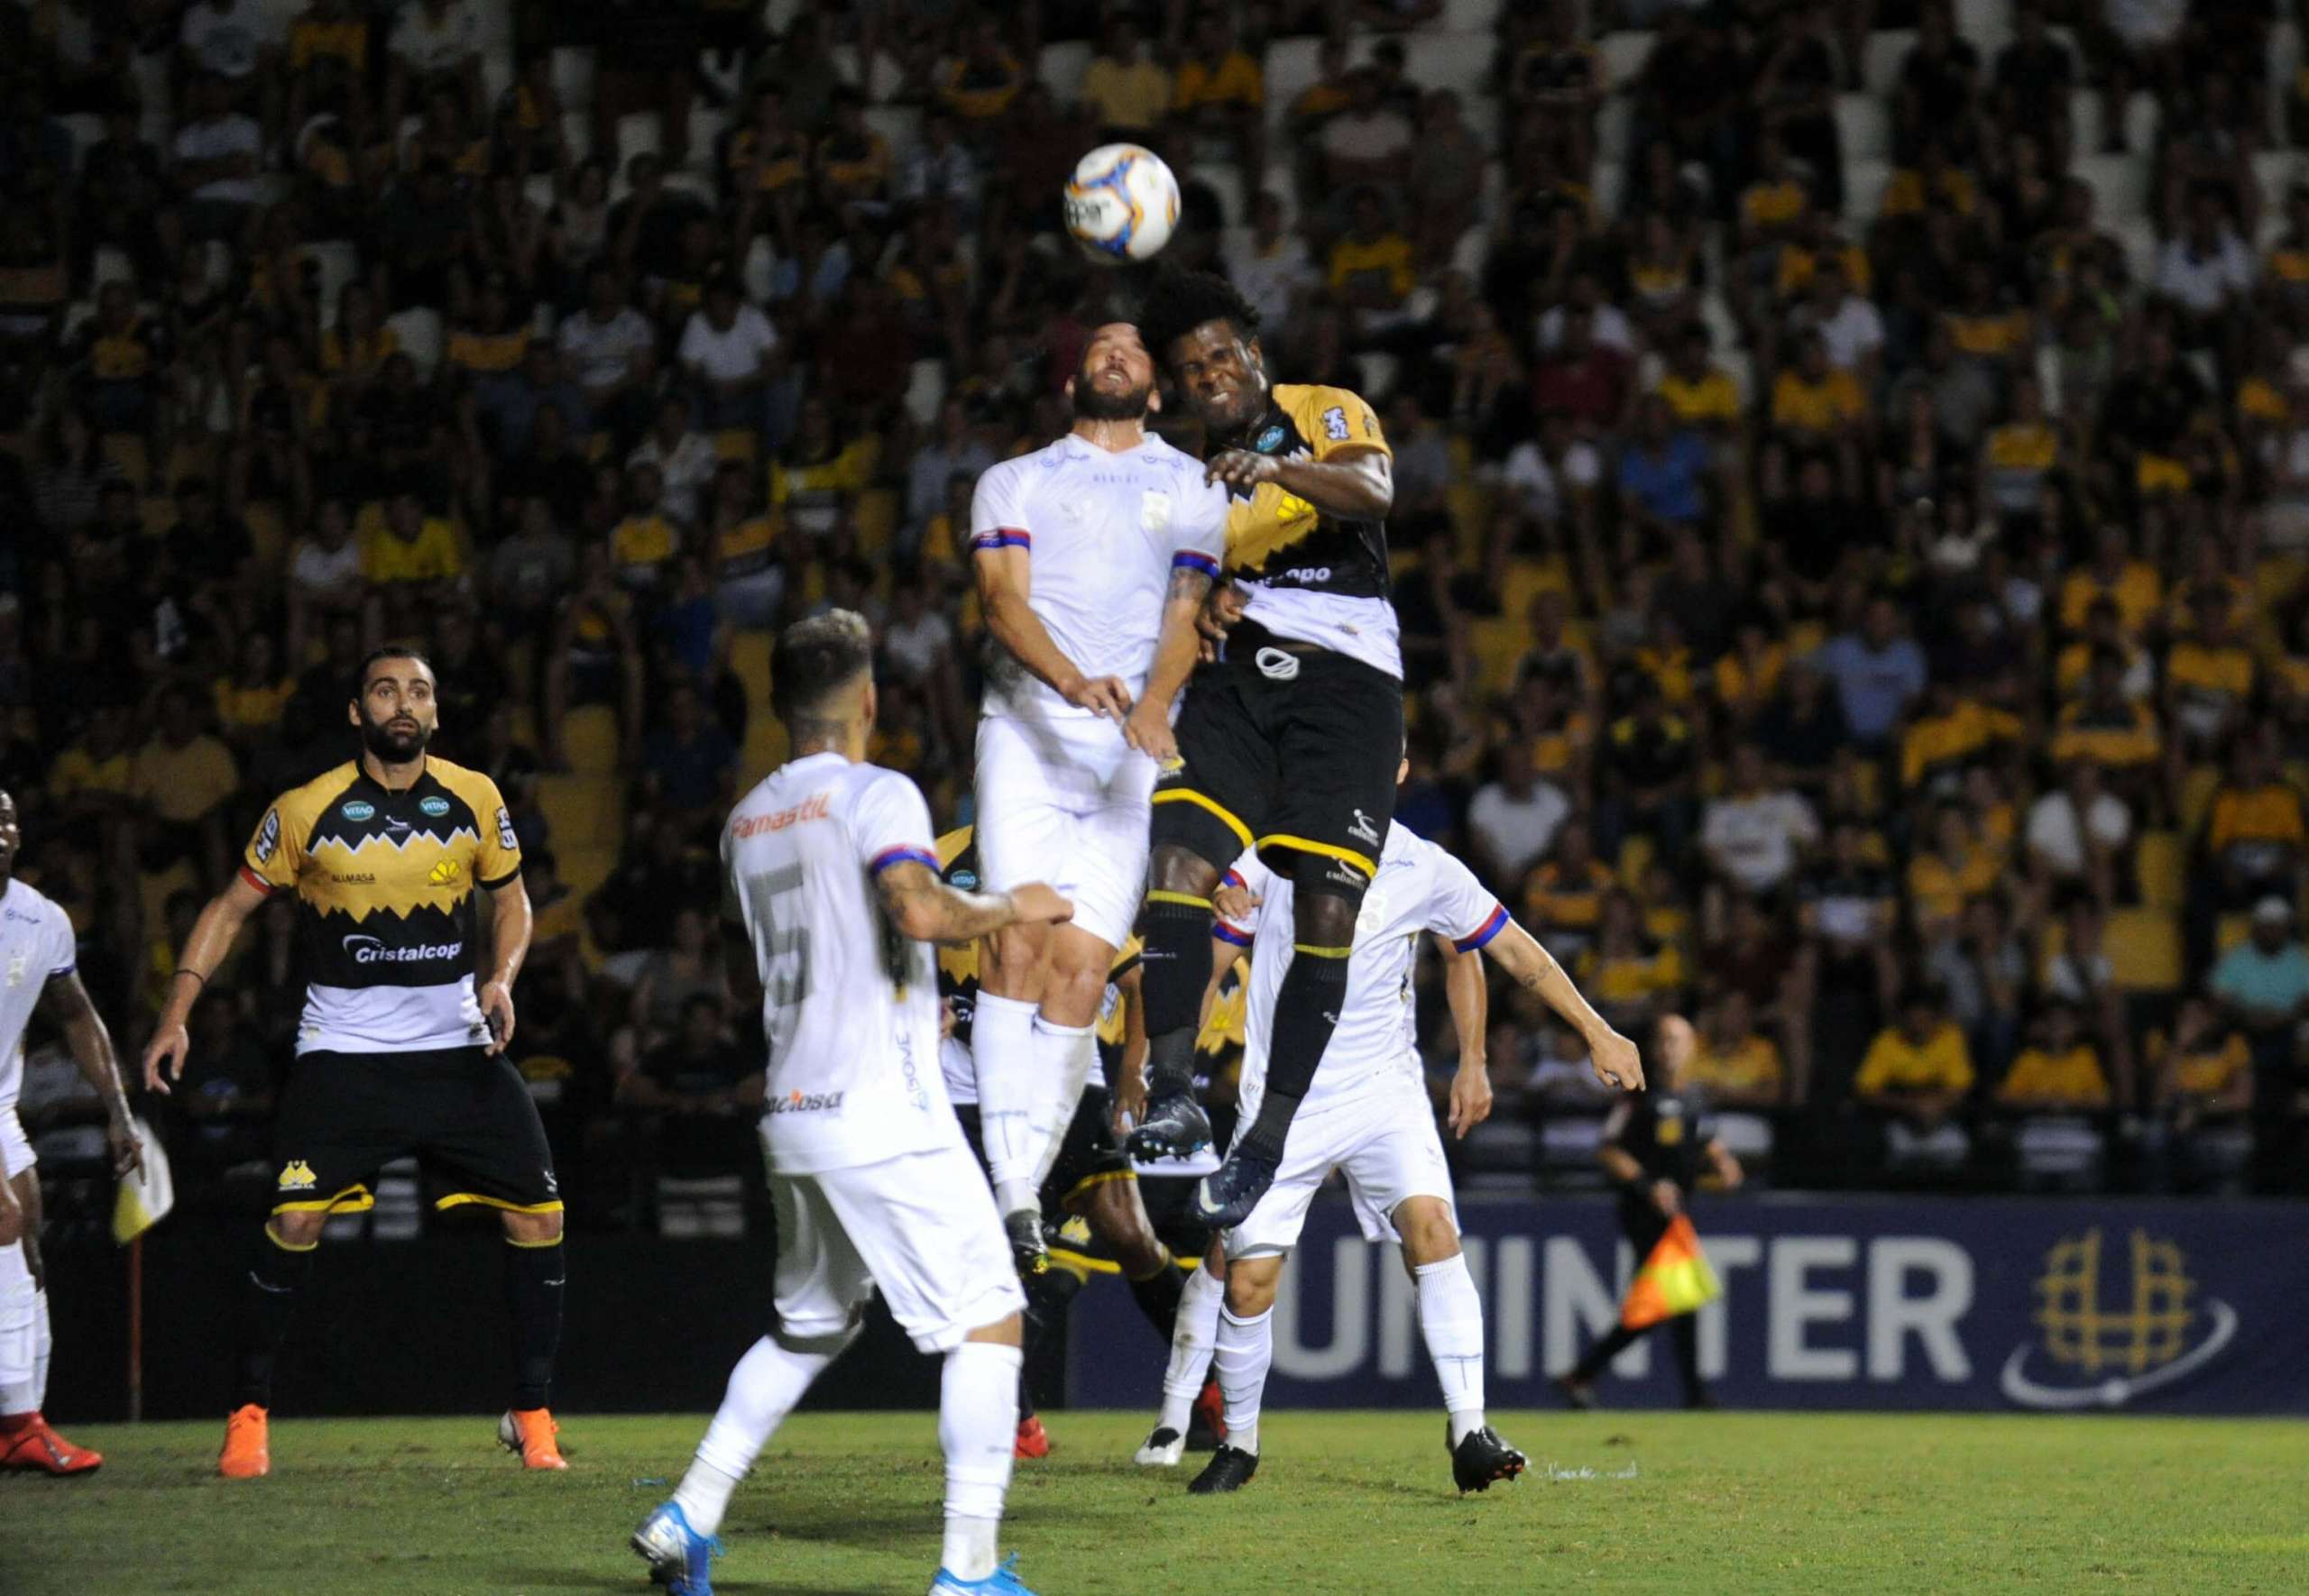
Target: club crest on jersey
1271 440
1155 511
17 965
358 811
434 807
298 1176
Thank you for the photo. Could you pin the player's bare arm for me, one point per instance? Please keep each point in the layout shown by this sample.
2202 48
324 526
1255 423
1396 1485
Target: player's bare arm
1147 727
65 1002
1469 994
1130 1071
925 909
510 923
11 1212
1613 1055
1003 583
212 939
1353 483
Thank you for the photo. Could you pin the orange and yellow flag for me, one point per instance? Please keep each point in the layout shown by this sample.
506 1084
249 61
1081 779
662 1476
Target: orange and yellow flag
1675 1279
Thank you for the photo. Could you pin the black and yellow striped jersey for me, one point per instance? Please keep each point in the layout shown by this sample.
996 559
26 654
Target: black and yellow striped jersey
1313 577
386 913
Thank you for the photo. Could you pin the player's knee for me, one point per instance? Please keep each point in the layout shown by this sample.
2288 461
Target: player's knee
1014 966
1429 1235
1006 1331
1328 896
299 1229
1250 1291
533 1228
1176 868
1117 1216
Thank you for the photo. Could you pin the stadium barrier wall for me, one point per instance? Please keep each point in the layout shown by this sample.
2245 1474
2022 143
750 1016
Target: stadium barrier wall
1979 1304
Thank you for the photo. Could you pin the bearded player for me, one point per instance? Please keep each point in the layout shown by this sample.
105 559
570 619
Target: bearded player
1085 552
390 855
37 952
1286 745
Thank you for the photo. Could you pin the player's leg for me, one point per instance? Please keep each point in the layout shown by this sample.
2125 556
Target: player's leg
482 1130
1021 834
1450 1321
1683 1332
1119 1219
1194 1333
1342 742
821 1290
27 1442
1242 1351
1204 810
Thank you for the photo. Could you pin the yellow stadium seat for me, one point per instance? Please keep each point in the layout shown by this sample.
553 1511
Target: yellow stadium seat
1499 643
589 737
584 868
2161 862
1527 578
876 521
2144 949
583 811
2197 789
2230 930
1636 861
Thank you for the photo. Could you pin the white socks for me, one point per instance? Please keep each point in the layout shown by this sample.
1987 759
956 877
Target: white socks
1193 1340
23 1365
978 1422
1003 1052
764 1388
1245 1351
41 1344
1450 1316
1063 1055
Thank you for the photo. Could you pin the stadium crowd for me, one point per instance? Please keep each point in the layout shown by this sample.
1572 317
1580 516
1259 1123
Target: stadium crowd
1852 508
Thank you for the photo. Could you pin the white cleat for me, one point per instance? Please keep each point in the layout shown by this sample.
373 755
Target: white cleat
1162 1450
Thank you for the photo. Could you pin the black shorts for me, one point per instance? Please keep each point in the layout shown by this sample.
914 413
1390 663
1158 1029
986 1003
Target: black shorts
1294 753
1088 1156
464 1116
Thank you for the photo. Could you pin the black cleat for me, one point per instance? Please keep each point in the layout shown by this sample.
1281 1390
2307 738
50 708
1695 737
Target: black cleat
1230 1468
1174 1127
1577 1392
1225 1198
1027 1248
1207 1419
1481 1457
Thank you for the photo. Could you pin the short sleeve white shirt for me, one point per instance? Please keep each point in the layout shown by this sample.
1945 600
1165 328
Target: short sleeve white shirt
37 945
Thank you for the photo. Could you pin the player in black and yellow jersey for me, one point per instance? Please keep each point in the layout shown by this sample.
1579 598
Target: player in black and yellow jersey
1090 1178
1288 741
390 854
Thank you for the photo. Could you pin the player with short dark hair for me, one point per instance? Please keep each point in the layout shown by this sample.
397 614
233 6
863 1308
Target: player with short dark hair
1287 742
398 1053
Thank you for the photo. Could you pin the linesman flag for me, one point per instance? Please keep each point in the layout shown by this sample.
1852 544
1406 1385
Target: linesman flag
1675 1279
146 1194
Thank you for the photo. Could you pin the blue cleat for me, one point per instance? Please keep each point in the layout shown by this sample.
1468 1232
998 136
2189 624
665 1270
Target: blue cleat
1002 1581
679 1558
1225 1198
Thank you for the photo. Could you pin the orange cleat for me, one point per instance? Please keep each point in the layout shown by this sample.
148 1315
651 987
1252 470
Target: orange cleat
34 1448
248 1444
531 1432
1033 1440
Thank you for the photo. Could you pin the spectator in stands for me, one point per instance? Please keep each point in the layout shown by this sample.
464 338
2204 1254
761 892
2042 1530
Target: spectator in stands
1915 1079
1128 92
701 1088
1755 834
1512 819
2077 834
181 780
2201 1082
1739 1066
1877 673
437 44
689 767
1220 90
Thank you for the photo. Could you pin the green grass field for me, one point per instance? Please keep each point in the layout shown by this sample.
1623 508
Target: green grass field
1353 1502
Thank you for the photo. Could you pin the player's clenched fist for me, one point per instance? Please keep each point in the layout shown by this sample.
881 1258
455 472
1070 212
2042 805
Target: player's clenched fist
1036 904
1616 1061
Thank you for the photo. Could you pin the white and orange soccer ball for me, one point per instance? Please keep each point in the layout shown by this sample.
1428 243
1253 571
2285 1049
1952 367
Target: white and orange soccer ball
1122 204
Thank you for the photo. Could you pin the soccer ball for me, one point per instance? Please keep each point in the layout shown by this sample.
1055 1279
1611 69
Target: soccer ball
1122 204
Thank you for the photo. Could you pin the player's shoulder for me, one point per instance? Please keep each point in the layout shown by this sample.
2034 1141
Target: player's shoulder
467 785
302 805
1310 404
25 903
957 848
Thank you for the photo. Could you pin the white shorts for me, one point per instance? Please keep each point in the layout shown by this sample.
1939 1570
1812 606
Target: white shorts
1066 802
921 1226
15 1148
1386 1144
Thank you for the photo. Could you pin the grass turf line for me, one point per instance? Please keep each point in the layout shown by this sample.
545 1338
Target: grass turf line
1730 1502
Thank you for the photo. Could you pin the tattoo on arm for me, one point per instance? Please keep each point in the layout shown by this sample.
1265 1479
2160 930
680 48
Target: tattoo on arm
1188 585
1542 965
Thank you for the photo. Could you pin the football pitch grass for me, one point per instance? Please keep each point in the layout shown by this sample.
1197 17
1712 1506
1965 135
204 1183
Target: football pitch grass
1629 1501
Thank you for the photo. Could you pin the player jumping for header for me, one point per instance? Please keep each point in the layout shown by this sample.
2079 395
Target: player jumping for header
1287 744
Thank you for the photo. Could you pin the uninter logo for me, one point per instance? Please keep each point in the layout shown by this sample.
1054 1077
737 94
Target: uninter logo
804 1103
370 950
809 809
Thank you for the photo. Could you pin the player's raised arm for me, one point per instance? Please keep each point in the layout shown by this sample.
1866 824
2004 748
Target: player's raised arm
212 939
1469 997
1351 475
926 910
1176 650
1001 555
1614 1057
65 1002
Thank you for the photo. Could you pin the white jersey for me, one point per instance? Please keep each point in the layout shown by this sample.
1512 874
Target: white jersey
849 1006
1102 532
1419 888
36 945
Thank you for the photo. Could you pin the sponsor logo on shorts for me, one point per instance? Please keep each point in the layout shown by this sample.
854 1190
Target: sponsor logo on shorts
552 1186
805 1103
1277 664
18 964
298 1175
1345 874
1365 829
436 807
364 949
357 811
